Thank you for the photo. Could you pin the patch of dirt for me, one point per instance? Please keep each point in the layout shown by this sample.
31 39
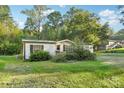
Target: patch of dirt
17 68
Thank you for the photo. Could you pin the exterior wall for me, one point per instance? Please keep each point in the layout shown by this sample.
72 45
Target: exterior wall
27 50
63 43
51 48
89 47
111 42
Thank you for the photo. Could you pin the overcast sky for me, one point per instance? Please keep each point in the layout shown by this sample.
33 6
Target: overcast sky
106 13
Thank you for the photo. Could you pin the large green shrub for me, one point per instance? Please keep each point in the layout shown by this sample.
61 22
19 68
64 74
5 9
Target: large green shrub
7 48
39 56
61 57
71 56
77 54
81 54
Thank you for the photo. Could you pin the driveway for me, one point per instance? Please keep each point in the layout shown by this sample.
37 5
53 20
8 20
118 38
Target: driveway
112 59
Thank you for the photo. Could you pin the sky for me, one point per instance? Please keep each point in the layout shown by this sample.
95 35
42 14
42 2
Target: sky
107 13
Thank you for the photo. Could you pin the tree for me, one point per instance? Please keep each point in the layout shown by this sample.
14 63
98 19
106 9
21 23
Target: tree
10 34
82 24
53 26
8 29
121 9
119 35
104 34
35 18
120 32
77 25
70 14
4 13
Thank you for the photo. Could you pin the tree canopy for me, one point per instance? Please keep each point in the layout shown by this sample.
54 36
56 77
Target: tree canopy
35 18
10 34
77 25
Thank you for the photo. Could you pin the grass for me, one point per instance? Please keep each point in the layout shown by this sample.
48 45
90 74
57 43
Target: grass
115 50
17 73
112 54
118 49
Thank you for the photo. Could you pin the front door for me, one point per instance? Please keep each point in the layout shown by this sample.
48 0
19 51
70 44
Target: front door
57 48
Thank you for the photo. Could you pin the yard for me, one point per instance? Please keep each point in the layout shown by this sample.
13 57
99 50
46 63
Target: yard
107 71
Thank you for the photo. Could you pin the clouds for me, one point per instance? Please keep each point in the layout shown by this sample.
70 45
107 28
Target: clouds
110 16
62 6
48 12
21 24
106 13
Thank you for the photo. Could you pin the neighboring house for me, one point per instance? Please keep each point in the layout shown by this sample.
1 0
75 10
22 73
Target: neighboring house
115 44
53 47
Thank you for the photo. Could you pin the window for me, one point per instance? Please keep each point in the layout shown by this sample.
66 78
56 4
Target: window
64 47
36 47
58 47
92 47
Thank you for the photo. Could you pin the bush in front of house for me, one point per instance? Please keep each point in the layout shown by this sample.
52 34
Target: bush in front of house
77 54
81 54
40 56
61 57
71 56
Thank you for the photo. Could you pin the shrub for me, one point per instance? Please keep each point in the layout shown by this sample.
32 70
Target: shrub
76 54
71 56
61 57
79 53
7 48
39 56
20 56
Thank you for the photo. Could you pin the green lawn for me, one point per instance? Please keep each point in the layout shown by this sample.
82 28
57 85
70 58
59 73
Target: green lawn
112 54
17 73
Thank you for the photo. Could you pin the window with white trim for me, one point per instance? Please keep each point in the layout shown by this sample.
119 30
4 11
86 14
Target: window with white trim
36 47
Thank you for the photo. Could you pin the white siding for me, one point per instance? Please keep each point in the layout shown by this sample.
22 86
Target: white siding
89 47
27 50
63 43
51 48
111 42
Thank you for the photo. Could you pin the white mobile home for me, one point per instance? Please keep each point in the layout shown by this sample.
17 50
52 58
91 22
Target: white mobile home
115 44
52 47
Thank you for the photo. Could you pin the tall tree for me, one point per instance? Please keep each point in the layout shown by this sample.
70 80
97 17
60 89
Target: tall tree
77 25
35 18
9 31
53 25
10 34
104 33
4 13
121 9
82 24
